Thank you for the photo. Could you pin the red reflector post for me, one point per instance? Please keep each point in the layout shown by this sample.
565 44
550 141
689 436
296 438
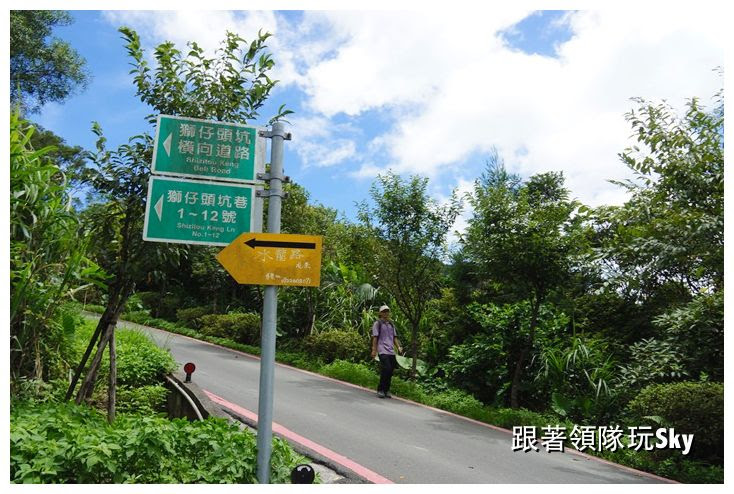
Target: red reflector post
189 369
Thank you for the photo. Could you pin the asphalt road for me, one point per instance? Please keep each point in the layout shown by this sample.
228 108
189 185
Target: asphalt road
400 440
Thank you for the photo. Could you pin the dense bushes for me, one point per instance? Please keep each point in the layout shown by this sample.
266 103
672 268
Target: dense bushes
146 400
651 361
332 345
149 300
691 408
190 316
578 375
485 362
243 328
141 366
139 361
47 255
159 305
64 443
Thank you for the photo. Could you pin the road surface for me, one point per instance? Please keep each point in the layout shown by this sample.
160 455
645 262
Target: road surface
401 441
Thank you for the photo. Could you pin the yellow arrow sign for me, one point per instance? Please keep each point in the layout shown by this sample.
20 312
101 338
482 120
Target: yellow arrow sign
273 259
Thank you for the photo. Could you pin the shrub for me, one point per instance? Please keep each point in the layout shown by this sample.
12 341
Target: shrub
138 316
476 365
697 329
66 443
651 361
691 408
459 402
244 328
485 363
577 374
190 316
358 374
140 362
337 345
149 300
167 306
134 303
146 400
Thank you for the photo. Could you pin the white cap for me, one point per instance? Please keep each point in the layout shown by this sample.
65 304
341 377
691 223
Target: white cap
384 308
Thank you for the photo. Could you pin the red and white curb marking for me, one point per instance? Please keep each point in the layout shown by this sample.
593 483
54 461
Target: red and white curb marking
360 470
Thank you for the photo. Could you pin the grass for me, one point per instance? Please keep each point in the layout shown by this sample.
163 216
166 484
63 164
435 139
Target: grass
458 402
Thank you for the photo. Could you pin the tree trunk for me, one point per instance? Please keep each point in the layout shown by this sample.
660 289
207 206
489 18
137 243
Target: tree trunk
112 389
88 385
85 391
103 322
517 377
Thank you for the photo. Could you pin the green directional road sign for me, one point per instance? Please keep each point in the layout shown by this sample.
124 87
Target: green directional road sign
191 147
197 212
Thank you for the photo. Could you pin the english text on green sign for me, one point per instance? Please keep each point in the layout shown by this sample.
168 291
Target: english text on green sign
191 147
197 212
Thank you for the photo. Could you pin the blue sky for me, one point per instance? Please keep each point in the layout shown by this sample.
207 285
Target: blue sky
426 92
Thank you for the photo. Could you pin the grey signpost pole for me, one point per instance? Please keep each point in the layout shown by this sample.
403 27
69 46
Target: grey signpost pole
270 312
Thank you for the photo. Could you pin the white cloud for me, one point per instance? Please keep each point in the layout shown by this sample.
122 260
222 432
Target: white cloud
208 29
462 188
323 155
455 89
450 88
322 143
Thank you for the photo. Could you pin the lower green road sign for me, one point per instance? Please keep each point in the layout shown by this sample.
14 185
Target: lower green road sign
197 212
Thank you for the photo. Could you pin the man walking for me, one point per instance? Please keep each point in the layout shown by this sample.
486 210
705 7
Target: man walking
384 341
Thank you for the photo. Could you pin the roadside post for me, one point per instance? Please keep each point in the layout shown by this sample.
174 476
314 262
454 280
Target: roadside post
270 312
271 259
207 188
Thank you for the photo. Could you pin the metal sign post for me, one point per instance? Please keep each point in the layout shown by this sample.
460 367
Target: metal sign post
270 312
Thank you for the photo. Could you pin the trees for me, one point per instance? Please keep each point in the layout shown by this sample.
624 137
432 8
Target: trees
409 229
666 244
47 256
191 86
231 86
672 228
522 235
42 69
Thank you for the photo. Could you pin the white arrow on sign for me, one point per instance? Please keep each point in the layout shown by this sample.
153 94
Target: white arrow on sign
167 144
159 208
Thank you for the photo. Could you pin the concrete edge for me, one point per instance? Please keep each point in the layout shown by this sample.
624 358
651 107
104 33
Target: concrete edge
210 409
349 477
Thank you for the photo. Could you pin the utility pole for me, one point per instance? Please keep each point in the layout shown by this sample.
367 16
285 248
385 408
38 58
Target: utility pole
270 310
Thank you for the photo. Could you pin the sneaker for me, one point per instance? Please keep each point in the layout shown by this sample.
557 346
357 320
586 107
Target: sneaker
388 395
380 394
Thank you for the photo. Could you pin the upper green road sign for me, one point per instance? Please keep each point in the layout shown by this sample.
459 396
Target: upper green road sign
196 212
191 147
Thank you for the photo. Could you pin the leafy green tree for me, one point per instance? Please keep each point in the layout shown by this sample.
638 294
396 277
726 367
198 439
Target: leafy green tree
346 289
672 228
409 230
47 257
42 68
232 86
666 244
192 86
115 229
524 237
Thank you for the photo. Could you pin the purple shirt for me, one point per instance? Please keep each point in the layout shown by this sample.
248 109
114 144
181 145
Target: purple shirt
385 332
